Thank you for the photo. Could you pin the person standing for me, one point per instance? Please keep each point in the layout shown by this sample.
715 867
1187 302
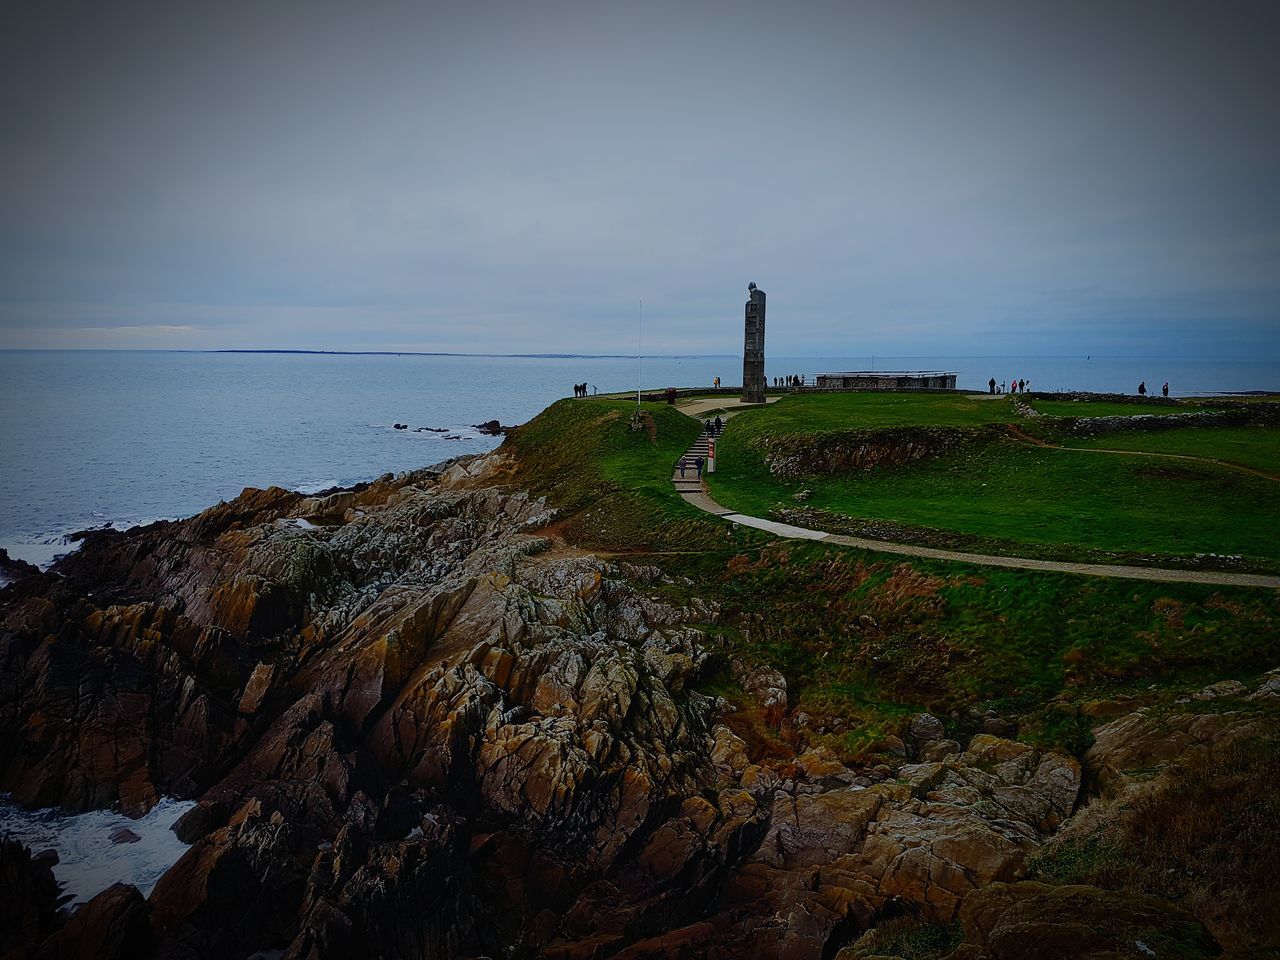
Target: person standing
1142 389
991 385
1164 391
1022 386
699 464
684 462
719 424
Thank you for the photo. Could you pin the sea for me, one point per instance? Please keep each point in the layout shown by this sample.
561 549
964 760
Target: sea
91 439
91 854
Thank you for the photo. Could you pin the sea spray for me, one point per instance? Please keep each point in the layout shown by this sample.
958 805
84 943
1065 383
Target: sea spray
88 860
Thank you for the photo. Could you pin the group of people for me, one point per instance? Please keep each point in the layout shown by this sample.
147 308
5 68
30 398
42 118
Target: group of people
713 427
698 463
579 389
1020 386
793 380
1015 386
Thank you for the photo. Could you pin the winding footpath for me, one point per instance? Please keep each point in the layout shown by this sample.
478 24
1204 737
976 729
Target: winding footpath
1226 464
694 492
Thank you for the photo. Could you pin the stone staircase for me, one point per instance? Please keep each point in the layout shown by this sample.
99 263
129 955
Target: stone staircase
690 483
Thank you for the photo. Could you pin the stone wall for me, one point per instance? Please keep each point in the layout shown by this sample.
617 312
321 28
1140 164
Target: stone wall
1243 415
884 381
790 457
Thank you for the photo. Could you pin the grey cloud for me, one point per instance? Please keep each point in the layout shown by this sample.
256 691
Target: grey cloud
900 177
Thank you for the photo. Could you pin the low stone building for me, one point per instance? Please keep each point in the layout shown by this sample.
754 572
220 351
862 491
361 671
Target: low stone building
886 380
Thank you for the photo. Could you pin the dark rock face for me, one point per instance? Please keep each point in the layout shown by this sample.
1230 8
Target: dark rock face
1032 921
793 457
419 727
28 897
13 569
114 925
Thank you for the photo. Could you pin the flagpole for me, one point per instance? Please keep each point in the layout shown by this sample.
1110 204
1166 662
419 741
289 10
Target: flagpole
639 341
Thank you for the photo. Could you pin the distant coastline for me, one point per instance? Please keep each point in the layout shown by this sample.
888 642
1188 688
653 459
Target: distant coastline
519 356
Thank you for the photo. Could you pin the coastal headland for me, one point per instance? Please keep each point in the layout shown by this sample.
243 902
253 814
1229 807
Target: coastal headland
533 703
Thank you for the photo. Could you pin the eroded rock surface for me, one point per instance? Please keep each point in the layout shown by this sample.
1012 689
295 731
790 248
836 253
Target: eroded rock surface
1033 921
419 725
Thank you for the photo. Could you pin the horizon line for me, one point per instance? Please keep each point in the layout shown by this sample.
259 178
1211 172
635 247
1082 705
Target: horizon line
625 356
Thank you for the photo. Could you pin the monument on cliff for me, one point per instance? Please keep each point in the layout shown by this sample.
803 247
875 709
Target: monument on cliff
753 347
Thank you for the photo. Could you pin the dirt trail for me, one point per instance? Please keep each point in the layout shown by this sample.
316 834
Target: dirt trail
1018 434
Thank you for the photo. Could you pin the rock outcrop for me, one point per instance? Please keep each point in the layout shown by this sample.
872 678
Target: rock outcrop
417 724
29 905
1033 921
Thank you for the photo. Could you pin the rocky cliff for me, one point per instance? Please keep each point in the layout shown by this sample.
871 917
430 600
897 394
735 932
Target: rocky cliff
420 725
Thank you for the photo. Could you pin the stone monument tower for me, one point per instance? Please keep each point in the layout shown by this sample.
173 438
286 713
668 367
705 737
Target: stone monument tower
753 348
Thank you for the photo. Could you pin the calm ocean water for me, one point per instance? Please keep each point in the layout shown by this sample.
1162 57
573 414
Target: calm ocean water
91 438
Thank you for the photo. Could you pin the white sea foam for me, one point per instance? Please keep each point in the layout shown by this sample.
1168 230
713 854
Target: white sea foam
300 522
41 551
88 861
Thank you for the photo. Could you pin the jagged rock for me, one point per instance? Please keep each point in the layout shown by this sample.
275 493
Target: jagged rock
29 905
114 925
124 835
335 505
938 750
728 752
256 689
998 727
1269 688
922 777
1033 921
892 744
202 819
925 727
767 687
1129 749
237 889
426 727
12 569
1223 688
809 830
820 765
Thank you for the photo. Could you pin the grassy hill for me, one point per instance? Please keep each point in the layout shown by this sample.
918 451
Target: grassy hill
613 483
991 490
869 638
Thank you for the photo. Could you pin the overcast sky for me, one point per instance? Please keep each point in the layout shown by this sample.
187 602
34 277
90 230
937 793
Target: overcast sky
910 178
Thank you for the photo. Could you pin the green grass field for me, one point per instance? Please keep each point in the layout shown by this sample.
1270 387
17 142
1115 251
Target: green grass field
874 638
1256 447
1009 496
614 483
824 412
